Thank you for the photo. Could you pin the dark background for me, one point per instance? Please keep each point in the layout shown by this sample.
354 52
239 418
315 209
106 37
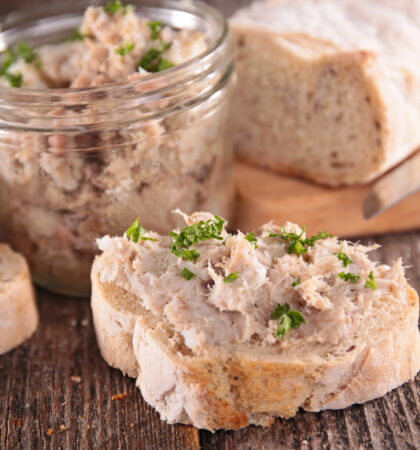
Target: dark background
38 390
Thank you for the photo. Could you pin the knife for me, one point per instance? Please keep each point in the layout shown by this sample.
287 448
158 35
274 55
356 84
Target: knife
393 187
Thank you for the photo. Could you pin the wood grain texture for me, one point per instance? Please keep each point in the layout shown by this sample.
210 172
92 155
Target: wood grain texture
37 391
271 196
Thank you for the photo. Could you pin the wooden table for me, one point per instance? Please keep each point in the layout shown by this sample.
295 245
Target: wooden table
57 392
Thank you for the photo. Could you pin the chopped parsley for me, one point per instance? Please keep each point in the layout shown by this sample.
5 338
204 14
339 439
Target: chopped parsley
250 237
125 48
164 64
155 28
344 258
296 283
231 277
371 283
187 274
136 231
77 35
26 52
8 59
15 79
287 319
201 231
152 61
349 277
298 245
113 6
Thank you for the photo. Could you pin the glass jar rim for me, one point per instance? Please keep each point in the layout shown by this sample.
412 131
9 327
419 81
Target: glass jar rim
124 89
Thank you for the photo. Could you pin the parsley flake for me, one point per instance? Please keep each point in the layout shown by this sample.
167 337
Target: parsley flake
113 6
250 237
287 319
344 258
349 277
298 245
371 283
296 283
152 60
77 35
231 277
136 231
14 79
26 52
187 274
125 48
201 231
8 59
155 28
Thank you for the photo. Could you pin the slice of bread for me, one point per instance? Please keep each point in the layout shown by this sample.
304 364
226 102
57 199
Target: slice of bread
18 313
327 89
205 350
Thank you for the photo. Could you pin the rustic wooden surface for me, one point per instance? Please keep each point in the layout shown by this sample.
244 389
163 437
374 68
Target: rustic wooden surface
58 379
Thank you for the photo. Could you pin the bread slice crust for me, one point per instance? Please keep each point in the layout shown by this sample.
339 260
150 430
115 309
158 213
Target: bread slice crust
18 312
235 388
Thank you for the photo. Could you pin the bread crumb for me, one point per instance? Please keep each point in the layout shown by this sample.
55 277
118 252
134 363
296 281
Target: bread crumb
119 396
63 427
88 427
49 431
131 425
75 379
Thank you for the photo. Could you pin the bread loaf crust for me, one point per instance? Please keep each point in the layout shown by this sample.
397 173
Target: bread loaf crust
326 105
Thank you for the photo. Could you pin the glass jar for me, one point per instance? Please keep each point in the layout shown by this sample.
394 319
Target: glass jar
79 163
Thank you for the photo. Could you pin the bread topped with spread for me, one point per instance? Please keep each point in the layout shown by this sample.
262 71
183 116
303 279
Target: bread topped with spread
327 89
225 330
18 313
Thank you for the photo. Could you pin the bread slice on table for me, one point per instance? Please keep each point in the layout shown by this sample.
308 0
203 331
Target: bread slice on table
209 344
327 89
18 313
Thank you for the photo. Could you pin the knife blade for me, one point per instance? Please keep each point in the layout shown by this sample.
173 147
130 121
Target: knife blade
393 187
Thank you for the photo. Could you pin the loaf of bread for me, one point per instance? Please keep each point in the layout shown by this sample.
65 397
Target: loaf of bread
327 89
226 330
18 313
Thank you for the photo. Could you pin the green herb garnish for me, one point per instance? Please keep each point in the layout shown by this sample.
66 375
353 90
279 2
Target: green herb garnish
371 283
152 60
298 245
125 48
77 35
296 283
187 274
155 28
349 277
26 52
164 64
114 6
201 231
287 318
231 277
8 59
344 258
136 231
250 237
14 79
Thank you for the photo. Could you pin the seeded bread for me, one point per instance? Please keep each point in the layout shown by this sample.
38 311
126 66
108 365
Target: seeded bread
327 89
205 352
18 313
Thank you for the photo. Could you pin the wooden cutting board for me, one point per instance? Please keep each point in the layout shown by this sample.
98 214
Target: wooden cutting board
263 195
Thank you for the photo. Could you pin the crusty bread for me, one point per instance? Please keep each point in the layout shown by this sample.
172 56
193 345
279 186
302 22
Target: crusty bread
18 313
205 352
327 89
